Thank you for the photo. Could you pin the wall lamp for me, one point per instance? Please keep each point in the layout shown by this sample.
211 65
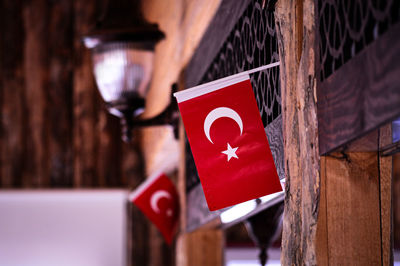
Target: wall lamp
122 47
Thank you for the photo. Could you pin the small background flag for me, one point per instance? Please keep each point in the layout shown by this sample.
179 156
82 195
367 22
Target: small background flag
158 199
228 141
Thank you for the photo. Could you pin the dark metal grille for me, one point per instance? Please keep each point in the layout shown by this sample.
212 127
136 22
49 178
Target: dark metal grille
346 27
251 43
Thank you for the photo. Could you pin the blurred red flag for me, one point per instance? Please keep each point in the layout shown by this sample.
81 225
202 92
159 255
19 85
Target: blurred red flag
158 199
228 141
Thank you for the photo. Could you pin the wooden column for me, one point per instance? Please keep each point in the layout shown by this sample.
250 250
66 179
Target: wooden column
296 35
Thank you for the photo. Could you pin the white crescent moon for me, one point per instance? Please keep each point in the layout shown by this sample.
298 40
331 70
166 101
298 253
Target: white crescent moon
218 113
156 197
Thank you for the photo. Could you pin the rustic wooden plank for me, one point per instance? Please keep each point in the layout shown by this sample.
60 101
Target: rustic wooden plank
362 95
35 14
396 199
12 100
59 92
366 180
353 211
322 230
86 99
386 195
297 57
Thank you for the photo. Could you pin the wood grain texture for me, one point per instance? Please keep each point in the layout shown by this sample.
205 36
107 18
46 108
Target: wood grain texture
386 196
354 222
59 93
362 95
86 100
353 211
36 125
13 104
322 225
203 247
35 66
297 57
396 200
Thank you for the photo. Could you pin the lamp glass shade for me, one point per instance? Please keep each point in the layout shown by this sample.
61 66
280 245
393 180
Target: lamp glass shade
123 73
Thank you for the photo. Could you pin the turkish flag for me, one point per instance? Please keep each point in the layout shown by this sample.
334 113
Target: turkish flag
158 199
228 141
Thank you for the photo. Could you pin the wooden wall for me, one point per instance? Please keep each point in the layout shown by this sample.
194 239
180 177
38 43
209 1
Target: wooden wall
54 130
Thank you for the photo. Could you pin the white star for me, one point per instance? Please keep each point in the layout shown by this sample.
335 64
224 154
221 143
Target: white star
230 152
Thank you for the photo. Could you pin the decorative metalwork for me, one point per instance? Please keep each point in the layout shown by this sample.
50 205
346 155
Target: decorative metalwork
251 43
346 27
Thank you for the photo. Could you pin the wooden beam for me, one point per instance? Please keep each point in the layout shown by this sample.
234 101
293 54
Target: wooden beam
362 95
217 32
297 56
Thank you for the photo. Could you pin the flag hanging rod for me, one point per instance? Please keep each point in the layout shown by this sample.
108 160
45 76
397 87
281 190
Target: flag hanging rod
219 83
235 76
261 68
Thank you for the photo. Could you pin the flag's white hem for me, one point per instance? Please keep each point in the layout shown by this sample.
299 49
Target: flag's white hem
193 92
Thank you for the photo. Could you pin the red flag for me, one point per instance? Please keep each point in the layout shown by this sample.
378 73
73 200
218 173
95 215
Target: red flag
228 141
158 199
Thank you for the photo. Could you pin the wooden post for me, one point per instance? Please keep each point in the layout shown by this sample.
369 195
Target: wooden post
296 35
